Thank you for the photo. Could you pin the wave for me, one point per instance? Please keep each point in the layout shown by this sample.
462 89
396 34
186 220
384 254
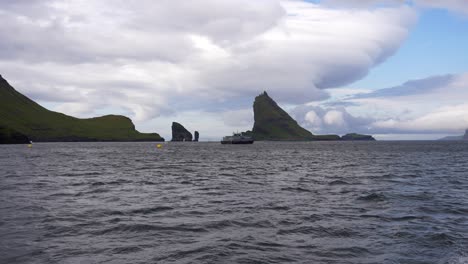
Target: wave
149 210
373 197
338 182
143 228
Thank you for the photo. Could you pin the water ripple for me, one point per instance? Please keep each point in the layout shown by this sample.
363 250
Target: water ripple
270 202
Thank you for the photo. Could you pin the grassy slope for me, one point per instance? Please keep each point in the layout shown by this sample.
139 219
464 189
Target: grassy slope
273 123
25 116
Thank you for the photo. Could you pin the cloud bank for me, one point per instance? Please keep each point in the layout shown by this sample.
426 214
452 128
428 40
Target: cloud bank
433 105
161 60
150 58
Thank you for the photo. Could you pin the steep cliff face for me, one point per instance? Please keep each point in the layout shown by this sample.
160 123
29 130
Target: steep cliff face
179 133
21 114
273 123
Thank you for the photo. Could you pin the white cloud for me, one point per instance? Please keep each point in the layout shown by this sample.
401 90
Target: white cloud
154 57
334 117
202 62
90 57
313 119
434 105
330 120
445 119
239 118
76 108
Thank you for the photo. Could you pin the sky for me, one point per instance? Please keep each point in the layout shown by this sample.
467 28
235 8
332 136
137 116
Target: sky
395 69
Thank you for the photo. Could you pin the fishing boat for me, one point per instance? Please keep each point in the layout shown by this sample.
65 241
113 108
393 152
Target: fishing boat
237 138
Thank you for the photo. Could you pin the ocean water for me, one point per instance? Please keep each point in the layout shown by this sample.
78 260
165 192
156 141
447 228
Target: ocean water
270 202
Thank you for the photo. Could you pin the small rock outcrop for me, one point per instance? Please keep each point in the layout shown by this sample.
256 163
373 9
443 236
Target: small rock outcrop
196 135
179 133
354 136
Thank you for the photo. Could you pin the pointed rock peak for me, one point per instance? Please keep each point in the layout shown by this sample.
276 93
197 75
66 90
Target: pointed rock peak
264 98
273 123
5 85
1 79
263 95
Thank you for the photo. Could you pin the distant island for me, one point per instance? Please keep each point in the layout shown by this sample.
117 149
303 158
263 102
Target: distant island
354 136
271 122
22 119
454 138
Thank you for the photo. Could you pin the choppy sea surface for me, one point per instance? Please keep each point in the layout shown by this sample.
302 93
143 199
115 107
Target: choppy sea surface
270 202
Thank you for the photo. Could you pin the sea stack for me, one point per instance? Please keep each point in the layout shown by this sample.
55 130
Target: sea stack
196 135
465 137
179 133
273 123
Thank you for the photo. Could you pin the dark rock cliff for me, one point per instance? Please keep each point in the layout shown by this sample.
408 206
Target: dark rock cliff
179 133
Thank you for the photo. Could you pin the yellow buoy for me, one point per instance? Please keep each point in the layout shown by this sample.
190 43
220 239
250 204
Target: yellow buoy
29 145
159 146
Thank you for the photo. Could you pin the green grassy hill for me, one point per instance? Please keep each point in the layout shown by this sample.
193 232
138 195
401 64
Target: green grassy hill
273 123
355 136
21 114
